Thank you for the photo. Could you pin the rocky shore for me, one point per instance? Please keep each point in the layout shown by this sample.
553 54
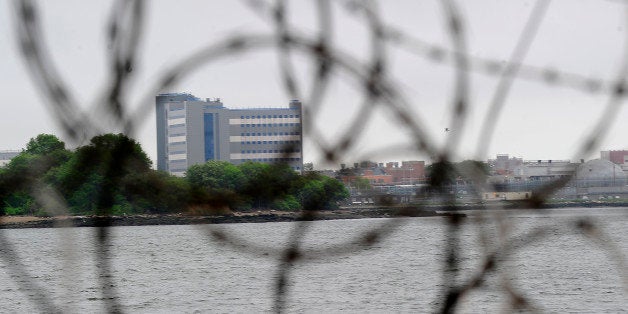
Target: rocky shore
15 222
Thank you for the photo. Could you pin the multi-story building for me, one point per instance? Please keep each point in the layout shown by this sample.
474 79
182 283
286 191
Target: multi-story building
192 131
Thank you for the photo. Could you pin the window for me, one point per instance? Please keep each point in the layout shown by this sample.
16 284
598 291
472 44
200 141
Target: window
241 117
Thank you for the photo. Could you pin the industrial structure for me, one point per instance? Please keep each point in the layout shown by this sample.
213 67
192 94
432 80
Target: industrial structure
193 131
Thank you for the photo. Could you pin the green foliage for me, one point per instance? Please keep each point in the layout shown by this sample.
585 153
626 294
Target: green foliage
156 192
320 192
112 175
18 203
259 185
288 203
44 144
265 184
88 178
216 175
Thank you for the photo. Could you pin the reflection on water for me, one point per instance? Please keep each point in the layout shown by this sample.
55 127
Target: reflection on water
176 268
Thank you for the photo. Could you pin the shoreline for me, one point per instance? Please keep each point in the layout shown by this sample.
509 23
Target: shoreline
262 216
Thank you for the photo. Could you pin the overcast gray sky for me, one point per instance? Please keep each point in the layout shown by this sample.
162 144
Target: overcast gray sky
540 120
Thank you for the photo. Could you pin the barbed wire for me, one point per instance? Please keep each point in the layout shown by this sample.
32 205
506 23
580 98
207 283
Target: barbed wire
379 89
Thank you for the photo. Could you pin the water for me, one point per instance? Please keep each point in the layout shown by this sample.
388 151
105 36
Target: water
178 269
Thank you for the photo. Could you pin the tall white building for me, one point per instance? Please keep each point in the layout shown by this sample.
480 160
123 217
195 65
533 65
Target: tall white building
192 131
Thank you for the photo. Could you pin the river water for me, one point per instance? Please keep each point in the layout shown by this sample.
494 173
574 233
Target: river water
159 269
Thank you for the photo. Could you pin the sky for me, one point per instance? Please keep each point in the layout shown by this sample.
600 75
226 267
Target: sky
540 120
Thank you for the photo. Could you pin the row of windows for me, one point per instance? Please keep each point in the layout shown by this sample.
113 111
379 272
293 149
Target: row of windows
269 116
272 159
176 143
178 161
270 142
177 134
270 134
177 125
252 125
176 152
277 151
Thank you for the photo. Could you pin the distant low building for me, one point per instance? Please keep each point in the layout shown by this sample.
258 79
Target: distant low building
600 173
618 157
410 172
504 164
7 155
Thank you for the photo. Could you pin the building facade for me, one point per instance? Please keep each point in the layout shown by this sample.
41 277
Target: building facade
192 131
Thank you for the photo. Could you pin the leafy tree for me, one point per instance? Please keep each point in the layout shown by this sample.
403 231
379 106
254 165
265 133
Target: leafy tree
321 192
91 179
441 173
265 184
44 144
217 175
43 153
156 192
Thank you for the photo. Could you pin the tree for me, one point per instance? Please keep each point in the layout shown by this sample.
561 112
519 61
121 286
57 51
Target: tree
43 153
320 192
156 192
44 144
216 175
441 173
91 179
266 183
